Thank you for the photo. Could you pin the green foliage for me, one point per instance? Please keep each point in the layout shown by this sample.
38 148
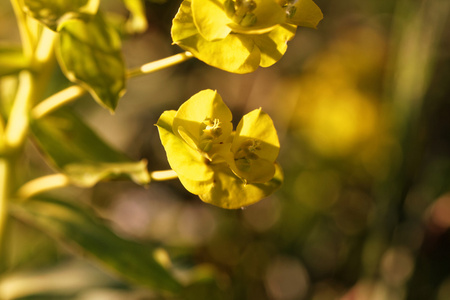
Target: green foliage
76 226
79 153
53 13
72 41
90 54
227 169
239 36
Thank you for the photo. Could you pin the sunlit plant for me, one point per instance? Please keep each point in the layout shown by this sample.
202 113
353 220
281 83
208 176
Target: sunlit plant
224 167
240 35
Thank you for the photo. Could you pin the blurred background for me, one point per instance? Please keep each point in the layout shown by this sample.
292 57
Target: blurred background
362 109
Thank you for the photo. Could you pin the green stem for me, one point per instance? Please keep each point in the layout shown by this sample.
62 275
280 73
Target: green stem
4 175
17 125
25 33
30 86
72 93
42 184
57 100
160 64
163 175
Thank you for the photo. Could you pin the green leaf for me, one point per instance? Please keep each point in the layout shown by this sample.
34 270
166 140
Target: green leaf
79 153
306 13
90 54
77 227
12 60
137 23
231 192
53 13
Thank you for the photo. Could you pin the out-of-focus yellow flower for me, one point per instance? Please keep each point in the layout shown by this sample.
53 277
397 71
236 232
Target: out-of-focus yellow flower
240 35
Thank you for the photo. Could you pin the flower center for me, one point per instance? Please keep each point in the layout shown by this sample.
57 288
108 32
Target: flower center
210 130
246 153
240 11
289 7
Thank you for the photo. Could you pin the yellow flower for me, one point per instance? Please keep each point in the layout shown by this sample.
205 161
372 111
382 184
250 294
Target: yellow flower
240 35
225 168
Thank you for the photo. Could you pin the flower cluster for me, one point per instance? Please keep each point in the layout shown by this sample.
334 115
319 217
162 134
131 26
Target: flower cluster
226 168
240 35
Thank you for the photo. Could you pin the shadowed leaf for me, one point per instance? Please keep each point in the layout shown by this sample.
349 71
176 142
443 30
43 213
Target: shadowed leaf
90 54
81 154
75 226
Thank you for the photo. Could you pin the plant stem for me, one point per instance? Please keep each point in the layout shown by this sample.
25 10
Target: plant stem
163 175
44 49
4 175
17 125
42 184
57 100
71 93
160 64
25 33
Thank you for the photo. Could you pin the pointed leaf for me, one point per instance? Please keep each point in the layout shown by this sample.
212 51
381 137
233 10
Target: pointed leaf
54 12
90 54
77 227
78 152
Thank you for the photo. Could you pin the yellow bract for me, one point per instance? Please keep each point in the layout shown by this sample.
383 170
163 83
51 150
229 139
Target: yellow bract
240 35
225 168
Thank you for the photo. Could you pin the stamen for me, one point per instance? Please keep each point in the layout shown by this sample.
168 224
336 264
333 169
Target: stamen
240 11
210 130
248 149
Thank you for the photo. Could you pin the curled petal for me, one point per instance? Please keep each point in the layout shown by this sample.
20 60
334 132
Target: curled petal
184 160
